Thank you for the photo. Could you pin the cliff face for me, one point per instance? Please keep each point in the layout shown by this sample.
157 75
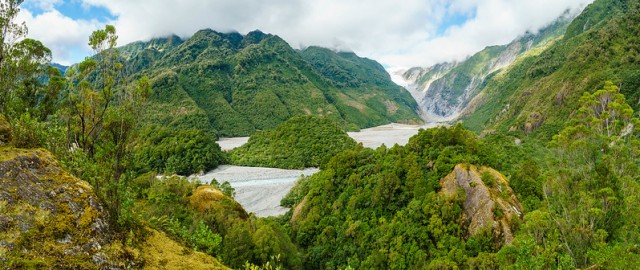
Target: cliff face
443 91
49 218
489 203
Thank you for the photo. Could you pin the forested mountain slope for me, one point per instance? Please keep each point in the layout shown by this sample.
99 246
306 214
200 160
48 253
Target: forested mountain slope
234 85
539 93
444 90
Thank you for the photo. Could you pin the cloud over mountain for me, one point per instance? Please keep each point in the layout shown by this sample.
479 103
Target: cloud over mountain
407 33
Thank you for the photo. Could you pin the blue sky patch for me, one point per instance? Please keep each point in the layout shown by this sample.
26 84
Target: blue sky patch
454 19
74 10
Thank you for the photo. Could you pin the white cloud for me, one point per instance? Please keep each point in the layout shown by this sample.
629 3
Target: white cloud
396 33
45 5
64 36
496 22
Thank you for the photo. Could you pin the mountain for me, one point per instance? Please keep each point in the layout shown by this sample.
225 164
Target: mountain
233 85
60 67
444 90
539 93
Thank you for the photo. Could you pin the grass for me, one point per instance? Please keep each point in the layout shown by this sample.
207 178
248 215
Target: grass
161 252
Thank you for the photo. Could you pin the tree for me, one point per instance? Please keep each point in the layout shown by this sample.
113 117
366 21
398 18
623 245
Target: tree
10 31
102 113
597 155
21 61
28 62
91 90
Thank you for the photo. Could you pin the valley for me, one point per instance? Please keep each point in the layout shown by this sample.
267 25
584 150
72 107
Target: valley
374 137
523 154
260 189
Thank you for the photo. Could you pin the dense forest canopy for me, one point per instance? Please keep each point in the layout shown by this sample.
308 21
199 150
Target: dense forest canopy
554 178
298 143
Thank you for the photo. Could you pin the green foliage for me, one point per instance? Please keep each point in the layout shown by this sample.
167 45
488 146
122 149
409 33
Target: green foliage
240 84
31 133
590 179
185 151
302 141
488 179
10 31
379 208
216 225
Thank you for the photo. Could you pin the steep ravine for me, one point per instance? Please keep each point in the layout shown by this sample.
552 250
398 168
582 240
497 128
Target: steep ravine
444 90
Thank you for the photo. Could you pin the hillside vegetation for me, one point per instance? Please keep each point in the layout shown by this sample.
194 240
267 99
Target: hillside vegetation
444 90
429 205
300 142
235 84
552 183
537 94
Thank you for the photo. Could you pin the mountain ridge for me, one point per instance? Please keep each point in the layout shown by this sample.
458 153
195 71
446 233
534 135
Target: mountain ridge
444 90
256 81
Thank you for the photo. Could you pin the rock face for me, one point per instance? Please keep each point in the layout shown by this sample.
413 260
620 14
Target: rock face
489 201
443 91
52 220
49 218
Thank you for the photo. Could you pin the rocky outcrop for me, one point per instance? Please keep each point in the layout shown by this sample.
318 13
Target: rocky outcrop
489 201
444 91
49 218
52 220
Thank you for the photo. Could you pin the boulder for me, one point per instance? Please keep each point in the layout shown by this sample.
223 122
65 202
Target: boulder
50 218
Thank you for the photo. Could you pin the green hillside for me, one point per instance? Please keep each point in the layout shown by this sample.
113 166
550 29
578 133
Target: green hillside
300 142
539 93
238 84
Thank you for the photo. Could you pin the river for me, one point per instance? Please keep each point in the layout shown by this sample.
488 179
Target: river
260 190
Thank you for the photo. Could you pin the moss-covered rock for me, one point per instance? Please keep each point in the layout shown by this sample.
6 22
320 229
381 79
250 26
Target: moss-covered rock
50 219
489 201
207 198
161 252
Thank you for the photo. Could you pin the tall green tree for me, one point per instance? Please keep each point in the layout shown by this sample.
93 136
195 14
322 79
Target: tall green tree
102 111
91 92
597 162
22 62
10 31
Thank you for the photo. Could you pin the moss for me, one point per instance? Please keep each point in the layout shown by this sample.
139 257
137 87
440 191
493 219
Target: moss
88 216
207 198
161 252
204 196
49 222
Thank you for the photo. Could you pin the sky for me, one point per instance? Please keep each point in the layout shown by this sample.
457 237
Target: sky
398 34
